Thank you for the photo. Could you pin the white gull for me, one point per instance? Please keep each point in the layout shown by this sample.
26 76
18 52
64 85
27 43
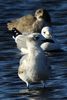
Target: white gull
34 66
51 44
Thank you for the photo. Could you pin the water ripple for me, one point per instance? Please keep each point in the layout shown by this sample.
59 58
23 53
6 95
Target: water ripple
11 87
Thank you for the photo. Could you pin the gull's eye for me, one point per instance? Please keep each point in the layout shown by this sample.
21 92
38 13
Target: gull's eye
36 37
44 32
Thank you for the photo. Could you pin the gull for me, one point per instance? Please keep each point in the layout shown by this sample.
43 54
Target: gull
34 66
51 44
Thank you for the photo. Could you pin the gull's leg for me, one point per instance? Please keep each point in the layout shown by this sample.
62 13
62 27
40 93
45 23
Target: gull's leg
43 84
28 86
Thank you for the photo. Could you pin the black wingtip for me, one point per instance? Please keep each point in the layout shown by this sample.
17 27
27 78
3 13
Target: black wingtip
15 32
49 40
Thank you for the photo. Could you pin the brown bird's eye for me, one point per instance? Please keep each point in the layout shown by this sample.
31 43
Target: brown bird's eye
39 11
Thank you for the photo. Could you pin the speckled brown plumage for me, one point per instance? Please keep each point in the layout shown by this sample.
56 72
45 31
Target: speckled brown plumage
31 23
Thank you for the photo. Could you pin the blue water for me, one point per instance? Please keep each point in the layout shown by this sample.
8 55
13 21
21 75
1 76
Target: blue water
11 87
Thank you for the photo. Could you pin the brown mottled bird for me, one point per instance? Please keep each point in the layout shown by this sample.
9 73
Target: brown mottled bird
31 23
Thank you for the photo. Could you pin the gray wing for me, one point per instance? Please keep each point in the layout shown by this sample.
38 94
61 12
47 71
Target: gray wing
21 41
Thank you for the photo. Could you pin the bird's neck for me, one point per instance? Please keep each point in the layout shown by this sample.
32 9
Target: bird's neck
34 50
40 19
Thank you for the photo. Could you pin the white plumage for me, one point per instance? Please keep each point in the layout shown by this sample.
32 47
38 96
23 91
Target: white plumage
34 66
52 44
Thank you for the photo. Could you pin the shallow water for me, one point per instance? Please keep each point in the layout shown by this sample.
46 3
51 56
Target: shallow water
11 87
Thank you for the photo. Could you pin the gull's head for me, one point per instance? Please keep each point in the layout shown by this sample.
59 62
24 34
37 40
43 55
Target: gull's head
47 32
35 39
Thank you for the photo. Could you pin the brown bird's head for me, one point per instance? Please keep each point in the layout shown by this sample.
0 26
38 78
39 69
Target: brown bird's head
43 14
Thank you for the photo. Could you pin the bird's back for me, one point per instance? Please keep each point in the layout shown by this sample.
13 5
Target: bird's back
38 67
22 24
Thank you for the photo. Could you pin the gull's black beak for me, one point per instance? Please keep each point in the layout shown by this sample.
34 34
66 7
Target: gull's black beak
43 39
49 40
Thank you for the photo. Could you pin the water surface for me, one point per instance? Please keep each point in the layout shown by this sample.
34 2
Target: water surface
11 87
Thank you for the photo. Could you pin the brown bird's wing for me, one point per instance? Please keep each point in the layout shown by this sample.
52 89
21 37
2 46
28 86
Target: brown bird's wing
22 24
